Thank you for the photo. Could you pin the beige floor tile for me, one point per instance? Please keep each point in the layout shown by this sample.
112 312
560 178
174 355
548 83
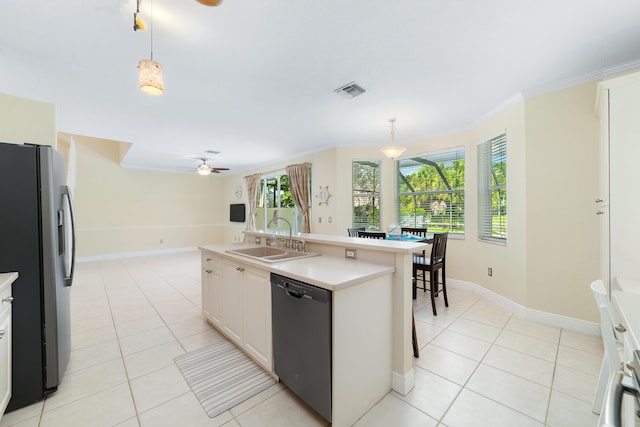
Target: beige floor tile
185 314
201 339
525 344
442 320
512 391
257 399
23 414
485 304
182 411
158 387
472 409
474 329
497 318
533 329
391 411
91 323
93 337
135 314
80 384
590 343
431 394
93 355
575 383
567 411
106 408
283 409
190 326
31 422
447 364
151 359
131 422
426 332
139 325
462 344
523 365
580 360
144 340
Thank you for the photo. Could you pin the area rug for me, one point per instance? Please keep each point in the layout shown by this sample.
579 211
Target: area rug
222 376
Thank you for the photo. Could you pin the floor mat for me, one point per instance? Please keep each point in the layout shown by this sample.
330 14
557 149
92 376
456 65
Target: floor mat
222 376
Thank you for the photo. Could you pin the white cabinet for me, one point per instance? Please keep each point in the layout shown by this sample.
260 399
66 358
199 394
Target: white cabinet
257 318
6 279
212 289
233 300
236 298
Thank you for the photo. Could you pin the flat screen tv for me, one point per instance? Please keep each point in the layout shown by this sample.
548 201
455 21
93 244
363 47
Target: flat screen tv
237 212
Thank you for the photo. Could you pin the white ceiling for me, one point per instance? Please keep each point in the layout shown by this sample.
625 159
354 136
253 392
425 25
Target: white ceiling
254 79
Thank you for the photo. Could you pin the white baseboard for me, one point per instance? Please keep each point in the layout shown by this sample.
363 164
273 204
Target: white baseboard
403 384
551 319
135 254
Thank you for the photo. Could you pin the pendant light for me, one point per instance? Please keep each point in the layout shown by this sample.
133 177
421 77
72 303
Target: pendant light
150 71
210 2
392 151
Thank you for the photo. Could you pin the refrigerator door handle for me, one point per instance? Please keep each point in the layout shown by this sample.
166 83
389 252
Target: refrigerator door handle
69 236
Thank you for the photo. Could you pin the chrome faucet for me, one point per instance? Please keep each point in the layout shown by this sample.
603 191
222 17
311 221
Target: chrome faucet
274 219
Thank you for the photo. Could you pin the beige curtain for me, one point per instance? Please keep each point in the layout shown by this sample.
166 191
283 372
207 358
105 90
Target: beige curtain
299 184
253 185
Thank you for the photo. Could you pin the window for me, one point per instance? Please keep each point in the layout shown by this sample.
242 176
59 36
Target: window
274 199
492 189
431 192
366 194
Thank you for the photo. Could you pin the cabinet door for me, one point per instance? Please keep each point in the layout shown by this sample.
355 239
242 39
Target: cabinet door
257 319
5 359
232 297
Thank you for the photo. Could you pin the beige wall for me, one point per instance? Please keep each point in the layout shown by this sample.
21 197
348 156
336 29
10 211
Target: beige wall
27 121
122 210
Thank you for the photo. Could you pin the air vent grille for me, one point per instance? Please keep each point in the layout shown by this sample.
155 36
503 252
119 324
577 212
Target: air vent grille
350 90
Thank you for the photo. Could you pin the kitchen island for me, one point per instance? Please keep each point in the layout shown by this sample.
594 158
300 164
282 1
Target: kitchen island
371 310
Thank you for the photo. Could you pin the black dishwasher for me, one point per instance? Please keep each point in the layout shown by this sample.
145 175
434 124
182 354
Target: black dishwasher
301 318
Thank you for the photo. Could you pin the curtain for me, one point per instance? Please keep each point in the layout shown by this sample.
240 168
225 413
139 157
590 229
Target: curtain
299 184
253 185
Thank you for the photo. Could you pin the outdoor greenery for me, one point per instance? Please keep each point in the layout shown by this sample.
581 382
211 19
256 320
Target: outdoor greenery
366 194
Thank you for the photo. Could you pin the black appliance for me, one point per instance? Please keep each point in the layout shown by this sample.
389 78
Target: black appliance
37 241
301 322
237 212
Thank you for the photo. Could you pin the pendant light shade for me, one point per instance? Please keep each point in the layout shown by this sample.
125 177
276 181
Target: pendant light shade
392 151
151 79
210 2
204 169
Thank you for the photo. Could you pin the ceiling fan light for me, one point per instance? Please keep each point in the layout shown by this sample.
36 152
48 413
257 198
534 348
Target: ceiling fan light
210 2
140 24
203 169
151 79
392 151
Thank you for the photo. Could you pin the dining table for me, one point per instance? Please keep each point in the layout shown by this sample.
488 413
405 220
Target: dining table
407 237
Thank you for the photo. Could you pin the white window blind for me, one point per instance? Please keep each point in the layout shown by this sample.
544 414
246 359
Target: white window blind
366 194
492 189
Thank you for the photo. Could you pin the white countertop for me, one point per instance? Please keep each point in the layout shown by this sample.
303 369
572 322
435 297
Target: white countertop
383 245
327 272
7 278
628 305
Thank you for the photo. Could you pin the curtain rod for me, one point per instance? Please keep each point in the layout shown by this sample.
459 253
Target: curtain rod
278 170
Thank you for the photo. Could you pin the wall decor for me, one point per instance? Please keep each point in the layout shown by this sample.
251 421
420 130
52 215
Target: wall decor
323 195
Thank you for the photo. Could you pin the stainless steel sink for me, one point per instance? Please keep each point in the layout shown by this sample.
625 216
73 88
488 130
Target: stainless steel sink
270 254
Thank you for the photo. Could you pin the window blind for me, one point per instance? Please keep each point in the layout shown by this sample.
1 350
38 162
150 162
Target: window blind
492 189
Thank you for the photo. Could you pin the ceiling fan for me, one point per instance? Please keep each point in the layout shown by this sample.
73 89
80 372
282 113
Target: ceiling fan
204 169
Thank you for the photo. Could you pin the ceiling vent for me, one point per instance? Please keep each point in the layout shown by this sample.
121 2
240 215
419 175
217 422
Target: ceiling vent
350 90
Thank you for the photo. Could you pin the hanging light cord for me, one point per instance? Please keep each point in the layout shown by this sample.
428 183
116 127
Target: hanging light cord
393 131
151 30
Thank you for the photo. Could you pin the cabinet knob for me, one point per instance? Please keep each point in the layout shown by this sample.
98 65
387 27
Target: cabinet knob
7 299
2 332
620 328
209 271
208 259
599 200
600 213
240 268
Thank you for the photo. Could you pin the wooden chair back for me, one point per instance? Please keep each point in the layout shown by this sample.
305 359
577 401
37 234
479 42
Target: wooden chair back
372 234
353 231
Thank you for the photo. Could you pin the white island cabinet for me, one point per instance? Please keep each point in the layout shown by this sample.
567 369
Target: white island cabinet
6 280
371 312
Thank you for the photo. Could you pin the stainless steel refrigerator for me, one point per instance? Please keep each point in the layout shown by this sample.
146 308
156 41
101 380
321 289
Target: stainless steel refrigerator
37 241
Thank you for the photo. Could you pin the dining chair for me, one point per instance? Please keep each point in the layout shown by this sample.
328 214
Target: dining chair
432 264
612 339
372 234
420 232
353 231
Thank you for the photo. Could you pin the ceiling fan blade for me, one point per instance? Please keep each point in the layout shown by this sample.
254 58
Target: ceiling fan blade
219 169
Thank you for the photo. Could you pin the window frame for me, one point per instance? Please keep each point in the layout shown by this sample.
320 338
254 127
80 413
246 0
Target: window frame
262 210
431 159
492 152
377 195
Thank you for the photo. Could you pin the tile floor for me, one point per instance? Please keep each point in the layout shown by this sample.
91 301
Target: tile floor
479 365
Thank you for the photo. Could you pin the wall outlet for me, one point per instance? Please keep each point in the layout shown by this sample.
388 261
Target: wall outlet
258 240
351 253
319 220
490 272
161 241
329 220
